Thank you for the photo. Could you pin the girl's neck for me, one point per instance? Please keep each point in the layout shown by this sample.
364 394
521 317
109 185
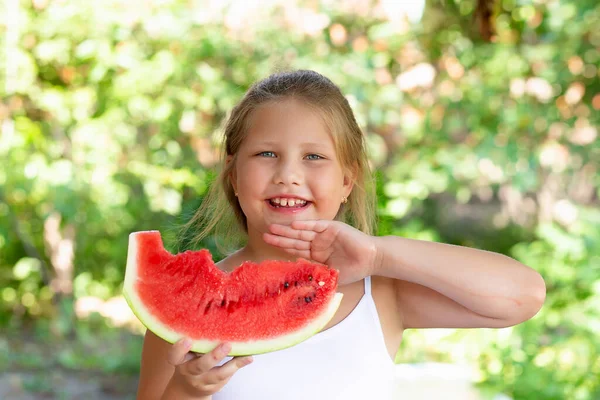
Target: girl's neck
257 250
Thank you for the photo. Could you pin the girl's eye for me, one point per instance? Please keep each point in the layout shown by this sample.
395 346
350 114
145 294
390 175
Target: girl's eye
266 154
314 157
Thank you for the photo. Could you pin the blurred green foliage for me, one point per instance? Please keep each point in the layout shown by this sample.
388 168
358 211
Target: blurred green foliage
110 113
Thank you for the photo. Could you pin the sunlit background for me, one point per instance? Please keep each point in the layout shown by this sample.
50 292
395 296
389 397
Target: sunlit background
482 124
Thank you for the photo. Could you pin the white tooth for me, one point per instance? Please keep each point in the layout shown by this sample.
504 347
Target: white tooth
283 202
302 202
276 200
291 203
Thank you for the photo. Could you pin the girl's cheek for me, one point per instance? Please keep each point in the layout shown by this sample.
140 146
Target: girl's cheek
326 178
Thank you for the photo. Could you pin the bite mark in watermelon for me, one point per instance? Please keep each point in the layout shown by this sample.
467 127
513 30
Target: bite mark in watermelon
257 308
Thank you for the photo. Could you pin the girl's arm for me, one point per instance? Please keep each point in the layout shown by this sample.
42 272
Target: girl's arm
155 371
171 372
446 286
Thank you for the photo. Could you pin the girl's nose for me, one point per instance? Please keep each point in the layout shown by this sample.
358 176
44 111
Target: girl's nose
288 173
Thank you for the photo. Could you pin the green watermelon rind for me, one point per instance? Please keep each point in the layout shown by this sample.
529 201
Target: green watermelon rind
260 346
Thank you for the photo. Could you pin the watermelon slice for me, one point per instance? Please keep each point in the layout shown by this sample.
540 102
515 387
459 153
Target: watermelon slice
257 308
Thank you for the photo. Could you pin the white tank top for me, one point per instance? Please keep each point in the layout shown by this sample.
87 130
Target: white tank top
347 361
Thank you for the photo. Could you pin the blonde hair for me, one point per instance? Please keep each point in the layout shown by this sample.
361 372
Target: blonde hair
220 212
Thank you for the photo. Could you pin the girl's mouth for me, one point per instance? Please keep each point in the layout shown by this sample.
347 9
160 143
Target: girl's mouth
288 204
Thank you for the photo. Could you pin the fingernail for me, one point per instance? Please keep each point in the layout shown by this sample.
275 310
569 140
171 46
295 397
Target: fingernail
248 361
225 348
187 343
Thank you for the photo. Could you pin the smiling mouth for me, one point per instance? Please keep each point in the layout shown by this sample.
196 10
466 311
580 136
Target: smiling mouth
288 203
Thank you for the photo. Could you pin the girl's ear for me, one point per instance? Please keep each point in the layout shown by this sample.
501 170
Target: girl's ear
349 179
231 175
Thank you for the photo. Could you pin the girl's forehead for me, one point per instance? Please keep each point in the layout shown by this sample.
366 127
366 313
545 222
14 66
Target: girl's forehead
285 110
289 119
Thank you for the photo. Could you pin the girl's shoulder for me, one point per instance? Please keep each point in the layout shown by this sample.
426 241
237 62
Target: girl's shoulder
230 262
385 294
389 310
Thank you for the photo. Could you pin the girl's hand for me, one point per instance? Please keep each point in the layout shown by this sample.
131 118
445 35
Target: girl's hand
197 375
334 243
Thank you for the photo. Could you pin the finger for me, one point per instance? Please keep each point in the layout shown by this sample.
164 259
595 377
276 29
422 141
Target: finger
286 231
206 362
299 253
224 372
190 355
286 243
177 353
316 226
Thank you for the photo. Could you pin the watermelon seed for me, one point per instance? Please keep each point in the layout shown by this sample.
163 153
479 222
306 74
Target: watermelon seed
307 299
223 303
286 285
296 283
321 283
310 278
207 307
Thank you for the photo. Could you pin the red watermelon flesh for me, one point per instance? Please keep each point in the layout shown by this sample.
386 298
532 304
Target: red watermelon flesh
257 307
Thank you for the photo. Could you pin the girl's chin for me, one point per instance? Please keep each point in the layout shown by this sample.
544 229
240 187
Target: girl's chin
286 219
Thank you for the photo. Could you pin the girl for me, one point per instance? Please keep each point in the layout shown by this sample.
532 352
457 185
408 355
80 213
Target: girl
296 180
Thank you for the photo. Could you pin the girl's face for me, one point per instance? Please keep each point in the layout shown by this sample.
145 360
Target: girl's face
287 168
